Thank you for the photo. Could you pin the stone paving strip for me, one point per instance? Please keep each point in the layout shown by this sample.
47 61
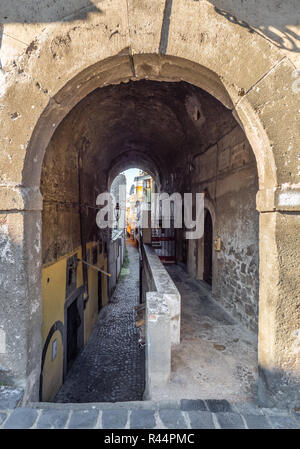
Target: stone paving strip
184 414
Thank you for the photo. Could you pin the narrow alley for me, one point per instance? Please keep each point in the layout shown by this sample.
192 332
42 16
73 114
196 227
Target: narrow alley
216 358
111 366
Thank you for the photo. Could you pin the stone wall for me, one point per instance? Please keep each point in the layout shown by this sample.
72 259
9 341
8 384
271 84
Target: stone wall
227 174
59 187
69 233
277 21
69 193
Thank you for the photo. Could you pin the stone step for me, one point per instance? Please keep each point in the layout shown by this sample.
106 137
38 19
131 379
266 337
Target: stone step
183 414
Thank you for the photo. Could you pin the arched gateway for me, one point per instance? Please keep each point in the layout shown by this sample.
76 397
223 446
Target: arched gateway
186 41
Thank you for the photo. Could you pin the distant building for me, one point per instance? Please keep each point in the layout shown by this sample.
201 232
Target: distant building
116 248
139 192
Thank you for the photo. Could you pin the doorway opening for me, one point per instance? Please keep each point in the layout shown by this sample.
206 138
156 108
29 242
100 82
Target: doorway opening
73 320
208 248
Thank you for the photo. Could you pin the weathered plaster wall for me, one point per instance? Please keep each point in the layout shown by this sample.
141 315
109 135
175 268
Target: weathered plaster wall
59 187
227 174
68 224
23 21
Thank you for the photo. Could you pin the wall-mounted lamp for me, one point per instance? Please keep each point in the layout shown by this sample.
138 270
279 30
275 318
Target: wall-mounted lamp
218 244
117 214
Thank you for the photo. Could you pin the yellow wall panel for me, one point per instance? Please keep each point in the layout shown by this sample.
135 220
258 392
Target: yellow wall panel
53 301
53 369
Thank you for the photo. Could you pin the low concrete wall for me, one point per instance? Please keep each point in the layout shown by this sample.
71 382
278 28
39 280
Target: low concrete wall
158 344
162 319
156 278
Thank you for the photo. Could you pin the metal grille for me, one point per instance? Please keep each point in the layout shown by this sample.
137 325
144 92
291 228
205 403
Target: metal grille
163 241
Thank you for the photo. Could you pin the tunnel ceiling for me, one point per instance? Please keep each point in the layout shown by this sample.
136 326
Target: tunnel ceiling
168 122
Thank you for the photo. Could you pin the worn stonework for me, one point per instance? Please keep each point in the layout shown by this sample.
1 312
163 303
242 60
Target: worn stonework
242 55
228 175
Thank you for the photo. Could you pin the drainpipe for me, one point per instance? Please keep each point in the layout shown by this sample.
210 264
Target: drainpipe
82 146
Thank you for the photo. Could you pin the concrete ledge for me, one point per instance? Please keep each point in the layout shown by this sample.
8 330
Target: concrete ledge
160 281
158 343
20 198
284 198
130 405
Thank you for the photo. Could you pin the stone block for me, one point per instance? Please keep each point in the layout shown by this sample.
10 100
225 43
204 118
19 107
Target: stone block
257 422
201 420
21 418
114 419
83 419
230 421
142 419
215 405
283 422
52 418
3 417
10 397
173 419
192 404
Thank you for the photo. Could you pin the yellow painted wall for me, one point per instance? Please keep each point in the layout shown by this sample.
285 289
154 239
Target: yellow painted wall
53 371
53 301
104 284
91 310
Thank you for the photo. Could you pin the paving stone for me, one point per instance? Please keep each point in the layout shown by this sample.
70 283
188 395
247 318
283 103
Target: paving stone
83 419
230 420
3 417
53 418
142 419
201 420
173 419
193 404
283 422
21 418
247 408
274 411
111 367
114 419
10 397
167 404
218 405
257 422
296 415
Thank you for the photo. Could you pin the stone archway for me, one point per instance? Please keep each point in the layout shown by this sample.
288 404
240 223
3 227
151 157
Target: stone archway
194 43
133 159
209 207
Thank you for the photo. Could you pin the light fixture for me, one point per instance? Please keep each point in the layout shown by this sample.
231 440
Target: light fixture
117 214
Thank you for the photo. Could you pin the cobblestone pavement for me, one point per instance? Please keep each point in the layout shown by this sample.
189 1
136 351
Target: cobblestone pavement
183 414
111 366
